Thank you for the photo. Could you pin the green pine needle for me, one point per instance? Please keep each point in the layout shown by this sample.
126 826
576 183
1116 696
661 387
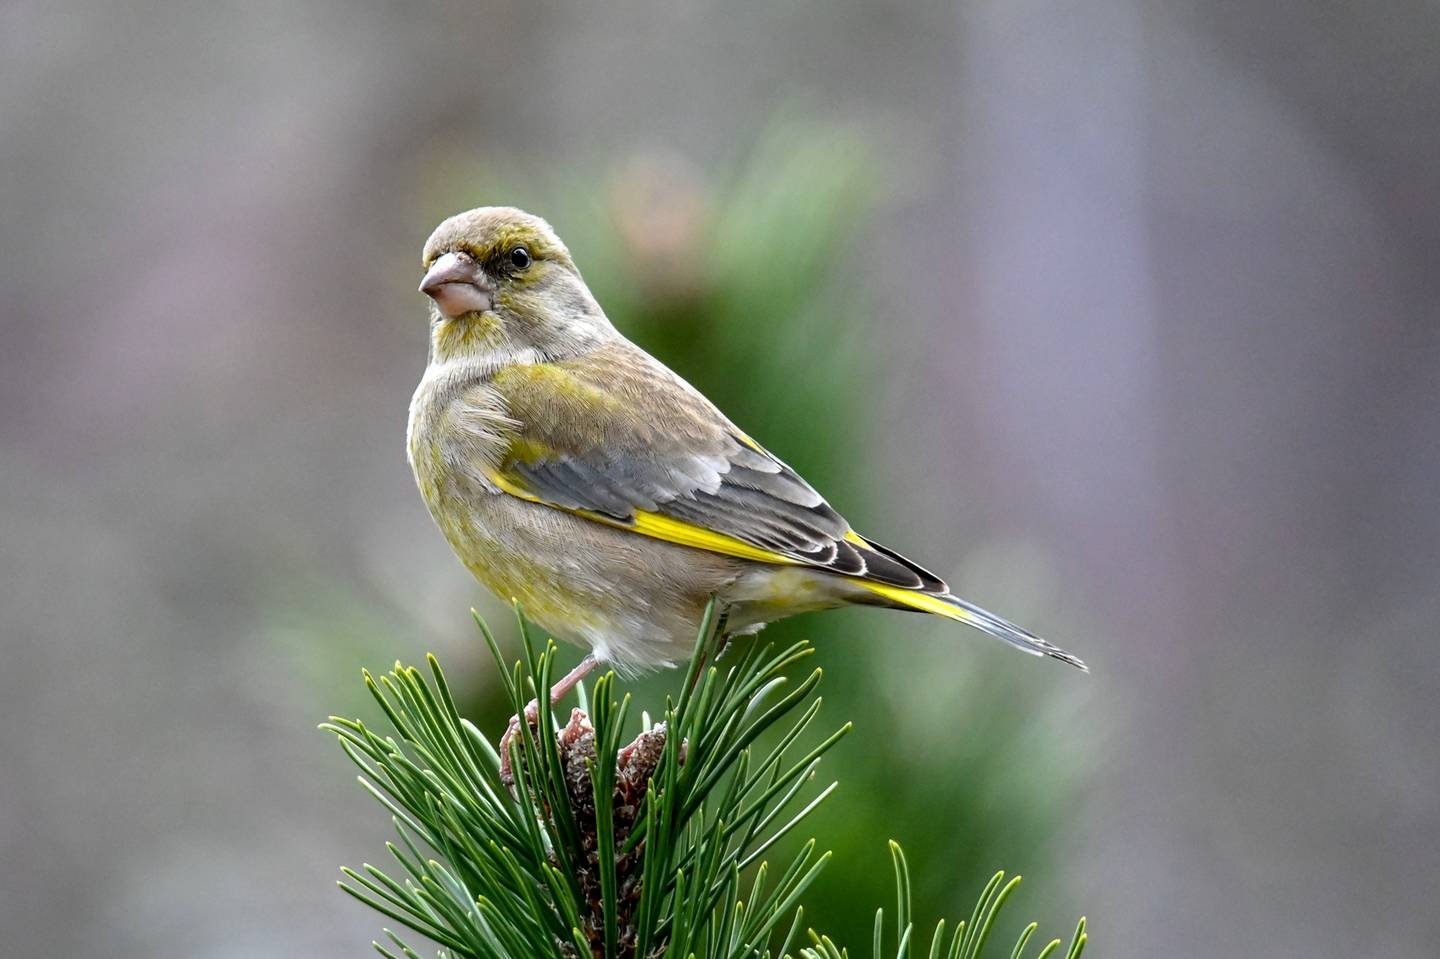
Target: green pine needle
969 938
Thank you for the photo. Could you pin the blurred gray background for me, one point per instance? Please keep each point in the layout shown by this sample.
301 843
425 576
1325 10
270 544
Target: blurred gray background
1142 317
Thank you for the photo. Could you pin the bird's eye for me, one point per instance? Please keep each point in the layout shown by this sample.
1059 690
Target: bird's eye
520 258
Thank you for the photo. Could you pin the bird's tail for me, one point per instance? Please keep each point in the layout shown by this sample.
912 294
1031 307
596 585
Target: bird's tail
953 607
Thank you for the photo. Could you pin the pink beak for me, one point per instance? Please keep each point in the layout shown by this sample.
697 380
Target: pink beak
458 286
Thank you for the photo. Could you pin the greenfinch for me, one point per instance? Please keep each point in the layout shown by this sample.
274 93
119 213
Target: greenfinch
576 474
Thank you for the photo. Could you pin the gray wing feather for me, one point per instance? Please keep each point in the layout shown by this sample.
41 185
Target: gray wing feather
754 498
686 461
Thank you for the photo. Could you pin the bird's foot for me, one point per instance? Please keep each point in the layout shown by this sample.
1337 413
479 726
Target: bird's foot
512 732
532 714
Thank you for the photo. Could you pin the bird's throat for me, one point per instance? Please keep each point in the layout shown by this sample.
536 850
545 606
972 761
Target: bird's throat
471 335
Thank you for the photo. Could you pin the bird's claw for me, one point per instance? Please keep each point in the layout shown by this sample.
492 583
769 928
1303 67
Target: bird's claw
532 719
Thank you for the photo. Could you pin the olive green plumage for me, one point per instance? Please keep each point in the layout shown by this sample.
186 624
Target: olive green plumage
574 472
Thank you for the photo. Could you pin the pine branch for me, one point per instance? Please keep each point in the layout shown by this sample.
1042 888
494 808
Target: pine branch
610 851
638 854
968 938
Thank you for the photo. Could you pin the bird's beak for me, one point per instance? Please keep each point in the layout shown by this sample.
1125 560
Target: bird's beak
458 286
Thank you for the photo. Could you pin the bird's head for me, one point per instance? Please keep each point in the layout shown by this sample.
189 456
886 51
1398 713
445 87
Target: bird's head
503 288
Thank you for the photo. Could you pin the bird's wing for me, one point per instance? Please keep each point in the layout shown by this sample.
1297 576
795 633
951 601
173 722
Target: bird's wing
618 438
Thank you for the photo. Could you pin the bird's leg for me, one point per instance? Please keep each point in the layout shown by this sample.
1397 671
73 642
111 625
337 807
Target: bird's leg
531 715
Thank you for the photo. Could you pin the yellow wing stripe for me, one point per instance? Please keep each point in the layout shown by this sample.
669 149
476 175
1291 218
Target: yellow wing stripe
660 527
687 534
744 437
924 602
508 486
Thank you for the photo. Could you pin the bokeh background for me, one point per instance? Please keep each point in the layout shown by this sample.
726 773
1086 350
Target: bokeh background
1124 316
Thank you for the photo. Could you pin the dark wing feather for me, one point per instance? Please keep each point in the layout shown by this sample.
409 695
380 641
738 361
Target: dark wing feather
662 448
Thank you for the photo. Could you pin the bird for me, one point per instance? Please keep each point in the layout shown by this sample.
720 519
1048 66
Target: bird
578 476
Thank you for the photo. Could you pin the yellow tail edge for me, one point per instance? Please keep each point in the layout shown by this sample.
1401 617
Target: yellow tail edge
923 602
952 607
